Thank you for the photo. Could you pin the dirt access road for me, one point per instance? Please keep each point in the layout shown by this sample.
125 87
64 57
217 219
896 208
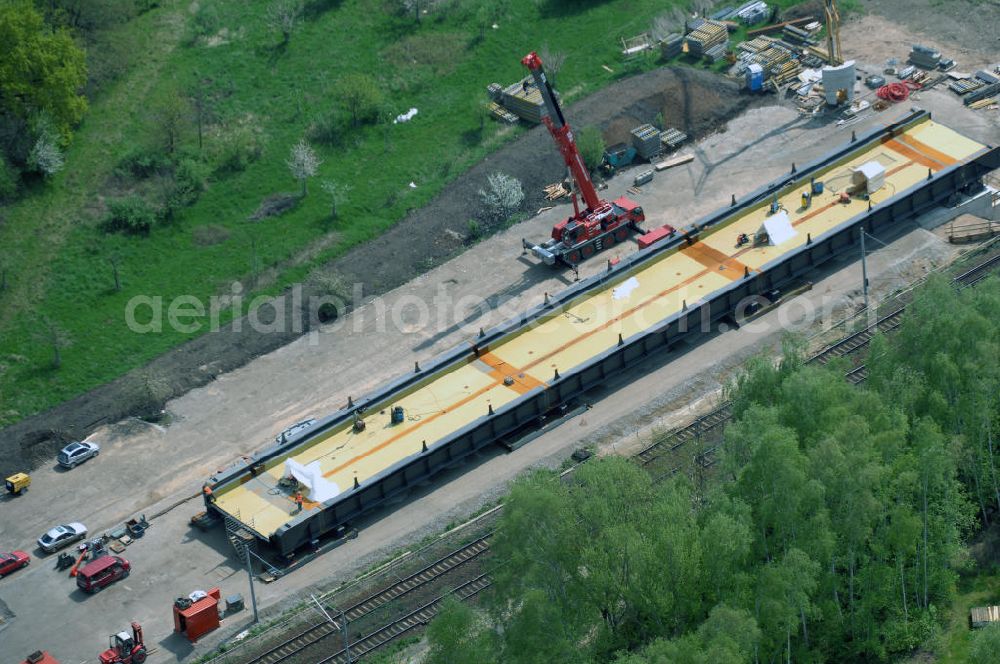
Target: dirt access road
144 468
693 100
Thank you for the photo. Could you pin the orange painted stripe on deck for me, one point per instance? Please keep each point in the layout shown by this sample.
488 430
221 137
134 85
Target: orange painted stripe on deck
936 155
716 261
614 320
523 382
402 432
913 154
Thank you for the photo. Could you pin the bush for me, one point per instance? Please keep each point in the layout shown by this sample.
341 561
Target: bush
327 130
474 231
131 215
590 143
501 198
189 182
143 162
10 181
235 146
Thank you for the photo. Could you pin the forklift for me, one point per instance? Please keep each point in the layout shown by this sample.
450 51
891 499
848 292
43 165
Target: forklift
125 648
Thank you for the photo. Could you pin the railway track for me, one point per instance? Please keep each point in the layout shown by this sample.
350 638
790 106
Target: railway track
850 345
320 631
670 442
397 628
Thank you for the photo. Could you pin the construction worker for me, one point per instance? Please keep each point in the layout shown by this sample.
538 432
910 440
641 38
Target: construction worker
209 496
298 501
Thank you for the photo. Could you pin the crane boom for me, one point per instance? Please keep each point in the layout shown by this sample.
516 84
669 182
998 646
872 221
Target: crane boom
562 133
832 32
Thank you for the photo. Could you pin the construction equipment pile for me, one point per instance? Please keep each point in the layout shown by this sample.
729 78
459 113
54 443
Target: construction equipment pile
706 35
522 99
980 90
671 46
671 139
646 141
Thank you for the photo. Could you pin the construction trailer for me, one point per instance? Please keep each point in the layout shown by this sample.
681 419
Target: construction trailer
527 371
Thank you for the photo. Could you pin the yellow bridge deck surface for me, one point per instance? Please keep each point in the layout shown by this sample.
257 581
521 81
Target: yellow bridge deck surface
591 325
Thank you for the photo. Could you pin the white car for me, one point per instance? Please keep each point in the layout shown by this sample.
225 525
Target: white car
62 536
76 453
294 430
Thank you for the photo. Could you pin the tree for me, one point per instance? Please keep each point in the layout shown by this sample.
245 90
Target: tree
414 7
41 70
115 262
590 142
172 116
361 97
502 197
283 16
201 103
51 333
303 164
337 193
458 636
985 647
46 157
552 61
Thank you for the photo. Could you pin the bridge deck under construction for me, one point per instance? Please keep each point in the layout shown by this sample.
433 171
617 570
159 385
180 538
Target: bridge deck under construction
526 360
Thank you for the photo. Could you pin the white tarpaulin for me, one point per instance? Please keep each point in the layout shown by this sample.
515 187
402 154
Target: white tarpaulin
778 228
871 174
624 289
311 477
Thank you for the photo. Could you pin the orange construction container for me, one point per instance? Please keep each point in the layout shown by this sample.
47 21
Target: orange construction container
40 657
200 618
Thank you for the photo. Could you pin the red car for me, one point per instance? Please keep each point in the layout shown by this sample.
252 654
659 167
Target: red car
13 561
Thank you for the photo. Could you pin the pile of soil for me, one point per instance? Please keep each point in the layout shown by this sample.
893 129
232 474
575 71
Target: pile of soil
694 101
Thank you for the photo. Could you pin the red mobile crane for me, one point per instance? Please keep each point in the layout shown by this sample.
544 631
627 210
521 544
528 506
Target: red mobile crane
601 223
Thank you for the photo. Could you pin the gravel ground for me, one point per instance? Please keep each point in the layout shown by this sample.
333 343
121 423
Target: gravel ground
692 100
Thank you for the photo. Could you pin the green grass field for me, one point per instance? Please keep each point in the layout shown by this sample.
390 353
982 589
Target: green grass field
57 257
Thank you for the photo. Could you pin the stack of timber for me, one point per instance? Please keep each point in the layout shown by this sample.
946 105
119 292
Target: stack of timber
778 27
965 85
785 72
672 138
673 161
554 191
755 45
646 141
671 46
522 98
501 113
925 57
717 52
705 36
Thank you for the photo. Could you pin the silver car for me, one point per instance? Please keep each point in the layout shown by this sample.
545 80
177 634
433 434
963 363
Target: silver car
76 453
62 536
294 430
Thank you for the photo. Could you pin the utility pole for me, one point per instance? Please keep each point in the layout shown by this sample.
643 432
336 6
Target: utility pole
253 595
864 269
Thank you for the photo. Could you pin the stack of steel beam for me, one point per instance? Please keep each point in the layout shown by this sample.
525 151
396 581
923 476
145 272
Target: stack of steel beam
924 57
671 46
797 36
707 35
646 141
984 92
